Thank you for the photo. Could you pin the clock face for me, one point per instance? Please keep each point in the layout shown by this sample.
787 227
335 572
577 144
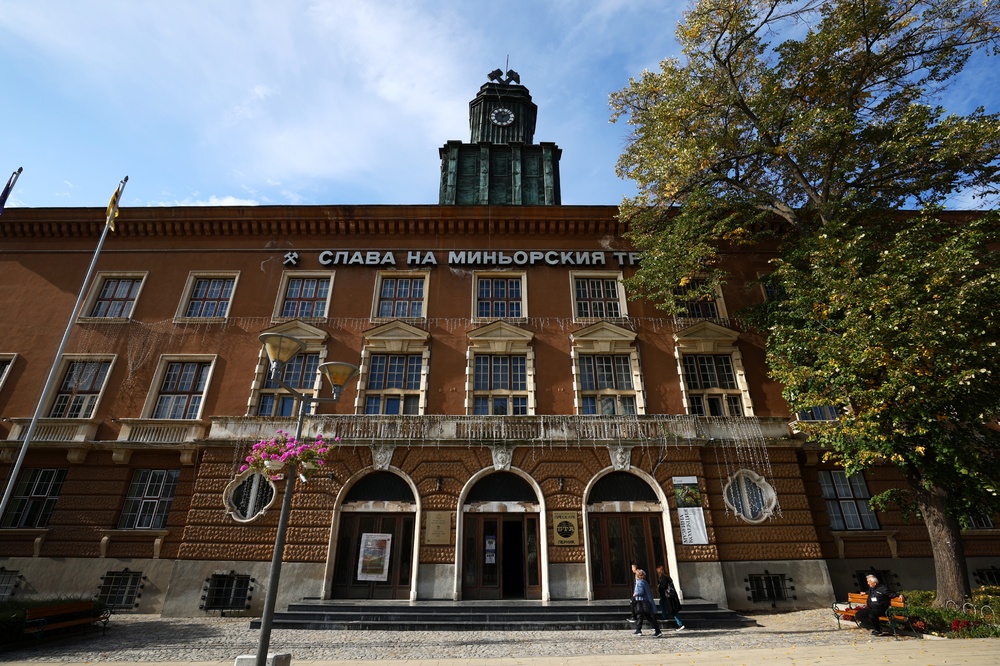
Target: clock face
502 116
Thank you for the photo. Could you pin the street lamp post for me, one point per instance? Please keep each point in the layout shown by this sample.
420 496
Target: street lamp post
280 350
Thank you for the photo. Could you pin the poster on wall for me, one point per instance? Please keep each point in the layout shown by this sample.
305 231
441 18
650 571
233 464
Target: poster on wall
564 527
690 514
373 562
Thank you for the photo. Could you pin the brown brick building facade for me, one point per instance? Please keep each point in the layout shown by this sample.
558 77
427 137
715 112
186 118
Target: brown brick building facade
519 426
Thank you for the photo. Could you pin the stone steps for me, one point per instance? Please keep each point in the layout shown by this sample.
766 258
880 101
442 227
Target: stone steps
487 616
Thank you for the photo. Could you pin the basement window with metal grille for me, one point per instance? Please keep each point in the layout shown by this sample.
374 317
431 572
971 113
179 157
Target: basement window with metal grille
769 588
120 590
989 576
229 591
8 582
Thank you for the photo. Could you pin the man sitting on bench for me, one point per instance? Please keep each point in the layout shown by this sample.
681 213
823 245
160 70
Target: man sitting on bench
879 599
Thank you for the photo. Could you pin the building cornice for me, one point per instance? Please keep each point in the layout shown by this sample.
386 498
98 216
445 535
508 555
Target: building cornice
374 220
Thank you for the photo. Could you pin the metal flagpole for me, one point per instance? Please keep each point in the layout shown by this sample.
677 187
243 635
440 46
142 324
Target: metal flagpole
9 187
108 224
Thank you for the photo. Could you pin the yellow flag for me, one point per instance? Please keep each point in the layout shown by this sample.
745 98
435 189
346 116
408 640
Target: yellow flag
113 204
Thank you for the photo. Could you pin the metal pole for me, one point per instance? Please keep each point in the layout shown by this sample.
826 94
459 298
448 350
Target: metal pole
55 368
267 618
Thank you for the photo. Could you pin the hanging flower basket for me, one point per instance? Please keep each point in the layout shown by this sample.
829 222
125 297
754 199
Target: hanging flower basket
269 456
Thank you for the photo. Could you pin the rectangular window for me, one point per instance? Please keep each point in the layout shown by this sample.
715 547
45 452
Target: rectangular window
116 297
980 521
393 385
210 297
847 501
182 390
606 384
119 590
597 298
34 499
149 498
497 380
499 297
824 413
401 298
227 592
300 373
711 385
9 581
6 363
306 297
80 390
696 303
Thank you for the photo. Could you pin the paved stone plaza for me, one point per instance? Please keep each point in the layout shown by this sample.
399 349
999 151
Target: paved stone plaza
797 637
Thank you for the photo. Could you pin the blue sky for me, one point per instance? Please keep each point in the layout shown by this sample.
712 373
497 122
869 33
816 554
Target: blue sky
218 102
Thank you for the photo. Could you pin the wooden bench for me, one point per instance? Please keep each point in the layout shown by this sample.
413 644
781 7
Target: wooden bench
42 619
897 615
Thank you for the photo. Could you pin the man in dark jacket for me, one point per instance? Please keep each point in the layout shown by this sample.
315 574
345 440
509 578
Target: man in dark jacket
879 599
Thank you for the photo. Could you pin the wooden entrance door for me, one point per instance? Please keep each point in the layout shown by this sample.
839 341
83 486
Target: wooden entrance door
617 540
353 526
500 557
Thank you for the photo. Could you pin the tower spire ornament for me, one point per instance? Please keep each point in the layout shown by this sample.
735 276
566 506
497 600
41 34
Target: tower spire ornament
497 76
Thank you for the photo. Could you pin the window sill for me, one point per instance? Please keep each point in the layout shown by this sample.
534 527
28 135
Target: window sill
103 320
200 320
888 535
35 534
133 536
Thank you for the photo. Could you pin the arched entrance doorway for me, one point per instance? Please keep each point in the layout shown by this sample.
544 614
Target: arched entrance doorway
375 540
500 540
624 525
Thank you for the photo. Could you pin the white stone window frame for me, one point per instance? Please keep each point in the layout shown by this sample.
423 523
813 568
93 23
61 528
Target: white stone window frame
254 511
7 362
64 364
707 338
493 275
153 395
601 275
605 339
315 340
500 339
192 279
95 291
770 497
394 338
397 275
286 276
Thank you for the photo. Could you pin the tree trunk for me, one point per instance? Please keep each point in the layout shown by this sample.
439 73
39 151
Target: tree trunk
950 568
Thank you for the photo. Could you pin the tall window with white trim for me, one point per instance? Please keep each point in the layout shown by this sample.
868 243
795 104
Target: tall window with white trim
80 389
393 385
150 496
500 385
300 374
34 498
711 385
182 390
847 501
606 384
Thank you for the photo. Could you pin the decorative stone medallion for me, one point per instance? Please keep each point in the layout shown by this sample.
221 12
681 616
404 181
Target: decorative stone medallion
621 457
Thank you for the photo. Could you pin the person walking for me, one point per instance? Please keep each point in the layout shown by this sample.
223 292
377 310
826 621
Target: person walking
670 601
633 615
879 599
645 606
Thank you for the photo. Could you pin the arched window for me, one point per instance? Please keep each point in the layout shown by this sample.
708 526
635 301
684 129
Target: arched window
750 496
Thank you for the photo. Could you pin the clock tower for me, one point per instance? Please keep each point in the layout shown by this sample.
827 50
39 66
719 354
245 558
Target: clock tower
501 165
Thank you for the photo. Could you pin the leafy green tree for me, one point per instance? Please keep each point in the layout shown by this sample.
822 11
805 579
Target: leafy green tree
806 125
